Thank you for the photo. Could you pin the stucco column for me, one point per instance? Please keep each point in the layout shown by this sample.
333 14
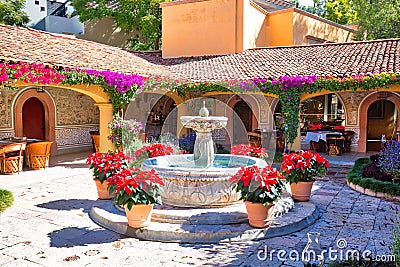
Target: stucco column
106 116
182 111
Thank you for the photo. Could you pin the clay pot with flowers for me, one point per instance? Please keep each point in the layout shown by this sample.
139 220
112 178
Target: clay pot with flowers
301 169
104 166
259 188
137 191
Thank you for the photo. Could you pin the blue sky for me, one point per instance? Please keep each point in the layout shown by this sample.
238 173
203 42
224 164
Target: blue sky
306 2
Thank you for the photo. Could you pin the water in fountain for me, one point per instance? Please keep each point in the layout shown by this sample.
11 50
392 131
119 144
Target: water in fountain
201 179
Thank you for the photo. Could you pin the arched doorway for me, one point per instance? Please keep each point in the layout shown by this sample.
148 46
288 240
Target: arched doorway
162 117
32 97
242 122
381 120
33 119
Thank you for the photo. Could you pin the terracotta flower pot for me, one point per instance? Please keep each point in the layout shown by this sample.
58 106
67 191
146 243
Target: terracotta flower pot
102 189
301 191
139 216
260 216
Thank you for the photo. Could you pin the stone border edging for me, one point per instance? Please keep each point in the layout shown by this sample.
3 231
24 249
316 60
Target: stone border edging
106 215
369 192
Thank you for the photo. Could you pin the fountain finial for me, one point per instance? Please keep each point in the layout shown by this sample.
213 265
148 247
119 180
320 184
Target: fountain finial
203 112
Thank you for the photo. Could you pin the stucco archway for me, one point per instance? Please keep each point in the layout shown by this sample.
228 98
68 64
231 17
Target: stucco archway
363 117
49 114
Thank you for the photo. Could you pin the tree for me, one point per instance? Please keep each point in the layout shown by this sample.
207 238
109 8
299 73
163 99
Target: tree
377 19
11 13
141 16
339 11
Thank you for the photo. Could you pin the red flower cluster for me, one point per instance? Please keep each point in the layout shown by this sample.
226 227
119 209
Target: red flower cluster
133 186
256 185
303 166
105 165
314 127
339 128
249 150
133 177
154 150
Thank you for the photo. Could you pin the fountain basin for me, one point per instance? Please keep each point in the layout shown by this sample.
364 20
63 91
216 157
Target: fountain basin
189 186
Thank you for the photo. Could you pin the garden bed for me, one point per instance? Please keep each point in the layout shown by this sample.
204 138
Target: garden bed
370 186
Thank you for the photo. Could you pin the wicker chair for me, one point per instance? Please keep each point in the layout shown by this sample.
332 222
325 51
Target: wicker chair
95 135
254 138
38 155
334 145
12 158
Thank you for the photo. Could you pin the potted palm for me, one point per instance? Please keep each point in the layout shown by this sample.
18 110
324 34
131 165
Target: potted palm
104 166
301 169
137 191
259 188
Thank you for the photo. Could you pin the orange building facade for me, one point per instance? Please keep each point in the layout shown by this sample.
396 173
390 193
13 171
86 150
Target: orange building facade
216 27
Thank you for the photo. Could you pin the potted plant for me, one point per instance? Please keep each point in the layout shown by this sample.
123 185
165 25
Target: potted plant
259 188
104 166
137 191
301 170
120 127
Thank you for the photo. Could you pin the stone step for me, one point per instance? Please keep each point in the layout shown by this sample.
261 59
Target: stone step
104 213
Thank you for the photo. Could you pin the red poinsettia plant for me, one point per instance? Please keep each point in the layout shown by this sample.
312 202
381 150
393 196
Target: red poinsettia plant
151 151
257 185
315 127
133 186
303 166
105 165
249 150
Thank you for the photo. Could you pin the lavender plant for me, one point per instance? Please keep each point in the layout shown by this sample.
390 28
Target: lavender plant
389 159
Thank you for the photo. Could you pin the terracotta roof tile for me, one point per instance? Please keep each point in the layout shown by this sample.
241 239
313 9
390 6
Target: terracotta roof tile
23 44
327 59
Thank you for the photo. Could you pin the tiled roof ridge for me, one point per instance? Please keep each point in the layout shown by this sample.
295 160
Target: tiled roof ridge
325 44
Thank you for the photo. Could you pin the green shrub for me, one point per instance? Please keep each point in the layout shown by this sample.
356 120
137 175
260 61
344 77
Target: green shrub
6 199
355 176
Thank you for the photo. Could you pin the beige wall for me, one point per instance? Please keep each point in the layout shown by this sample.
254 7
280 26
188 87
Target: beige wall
203 27
254 26
305 24
104 31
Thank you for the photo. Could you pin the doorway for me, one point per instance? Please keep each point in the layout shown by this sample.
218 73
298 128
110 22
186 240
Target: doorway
381 120
242 122
33 119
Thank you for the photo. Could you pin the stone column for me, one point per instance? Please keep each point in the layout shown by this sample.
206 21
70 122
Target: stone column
106 116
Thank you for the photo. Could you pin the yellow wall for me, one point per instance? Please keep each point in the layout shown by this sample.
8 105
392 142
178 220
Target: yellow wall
280 29
307 24
202 27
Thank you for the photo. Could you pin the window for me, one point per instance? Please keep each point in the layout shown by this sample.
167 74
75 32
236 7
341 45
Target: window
37 2
42 9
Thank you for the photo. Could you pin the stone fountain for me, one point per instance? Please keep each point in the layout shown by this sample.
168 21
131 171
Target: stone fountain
200 179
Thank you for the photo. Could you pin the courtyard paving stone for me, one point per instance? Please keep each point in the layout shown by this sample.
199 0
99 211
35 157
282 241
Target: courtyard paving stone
48 225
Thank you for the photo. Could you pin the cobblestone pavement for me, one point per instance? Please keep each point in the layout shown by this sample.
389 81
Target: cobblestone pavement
48 225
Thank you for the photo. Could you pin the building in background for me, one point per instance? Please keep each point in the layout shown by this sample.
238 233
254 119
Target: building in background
53 16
